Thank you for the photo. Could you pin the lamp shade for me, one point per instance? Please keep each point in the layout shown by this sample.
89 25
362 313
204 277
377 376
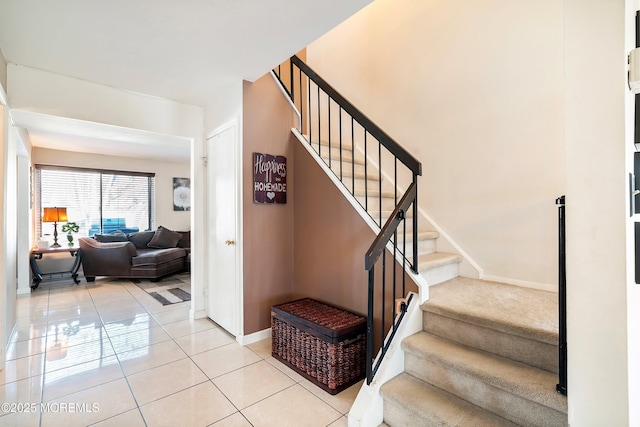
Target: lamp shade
54 215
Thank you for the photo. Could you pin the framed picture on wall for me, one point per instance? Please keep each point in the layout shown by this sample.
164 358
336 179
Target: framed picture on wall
181 194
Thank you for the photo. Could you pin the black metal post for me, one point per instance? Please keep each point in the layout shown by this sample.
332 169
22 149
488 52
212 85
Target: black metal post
562 297
293 96
415 228
369 354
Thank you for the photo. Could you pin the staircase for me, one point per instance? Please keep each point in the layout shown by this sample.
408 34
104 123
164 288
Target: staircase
434 266
487 356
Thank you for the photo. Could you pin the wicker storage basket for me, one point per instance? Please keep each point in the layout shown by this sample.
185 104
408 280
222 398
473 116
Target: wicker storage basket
323 343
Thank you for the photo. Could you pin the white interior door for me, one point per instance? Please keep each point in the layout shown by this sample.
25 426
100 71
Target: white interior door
223 295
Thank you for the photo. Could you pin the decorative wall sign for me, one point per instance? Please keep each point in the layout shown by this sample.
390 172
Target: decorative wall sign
269 178
181 194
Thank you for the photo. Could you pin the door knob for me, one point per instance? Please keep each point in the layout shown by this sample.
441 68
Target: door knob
229 242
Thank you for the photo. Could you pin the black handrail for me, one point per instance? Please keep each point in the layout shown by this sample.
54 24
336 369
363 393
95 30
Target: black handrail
378 248
562 297
403 155
300 93
389 230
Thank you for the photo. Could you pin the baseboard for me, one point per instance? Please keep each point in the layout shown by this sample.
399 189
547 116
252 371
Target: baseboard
8 346
23 290
254 337
367 408
521 283
197 314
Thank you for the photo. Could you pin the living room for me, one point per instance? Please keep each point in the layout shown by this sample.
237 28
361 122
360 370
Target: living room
164 212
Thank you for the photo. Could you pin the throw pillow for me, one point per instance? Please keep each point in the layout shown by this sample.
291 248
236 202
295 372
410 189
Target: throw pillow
185 240
164 238
116 236
141 239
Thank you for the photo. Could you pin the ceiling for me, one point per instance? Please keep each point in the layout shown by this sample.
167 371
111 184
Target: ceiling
179 50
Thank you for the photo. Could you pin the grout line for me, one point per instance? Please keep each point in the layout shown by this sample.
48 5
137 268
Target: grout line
44 362
110 338
124 375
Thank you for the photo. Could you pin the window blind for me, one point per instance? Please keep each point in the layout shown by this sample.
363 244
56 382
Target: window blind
99 201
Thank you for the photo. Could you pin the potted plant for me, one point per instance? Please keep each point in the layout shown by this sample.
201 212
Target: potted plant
70 227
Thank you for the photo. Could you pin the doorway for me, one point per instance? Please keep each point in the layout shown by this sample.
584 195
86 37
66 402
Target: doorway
224 290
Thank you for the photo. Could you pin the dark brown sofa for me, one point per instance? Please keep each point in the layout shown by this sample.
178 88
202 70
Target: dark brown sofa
142 255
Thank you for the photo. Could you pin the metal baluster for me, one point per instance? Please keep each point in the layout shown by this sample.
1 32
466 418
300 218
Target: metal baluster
562 297
380 183
369 355
415 228
384 299
366 180
319 128
329 123
340 130
353 160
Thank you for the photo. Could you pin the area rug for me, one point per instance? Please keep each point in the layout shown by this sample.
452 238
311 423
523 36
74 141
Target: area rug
169 290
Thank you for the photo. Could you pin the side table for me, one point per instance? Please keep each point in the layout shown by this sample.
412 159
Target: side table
39 276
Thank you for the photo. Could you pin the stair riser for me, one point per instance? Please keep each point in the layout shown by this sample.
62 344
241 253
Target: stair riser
396 414
387 202
335 146
535 353
335 158
373 187
409 255
440 274
358 184
426 246
335 142
348 172
385 214
500 402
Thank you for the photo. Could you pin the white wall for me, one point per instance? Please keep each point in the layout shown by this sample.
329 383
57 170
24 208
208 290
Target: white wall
23 222
3 72
474 91
509 105
165 172
633 290
225 108
8 227
57 95
595 66
44 92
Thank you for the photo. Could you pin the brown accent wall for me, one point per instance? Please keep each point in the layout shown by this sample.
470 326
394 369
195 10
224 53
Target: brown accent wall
268 229
330 240
314 245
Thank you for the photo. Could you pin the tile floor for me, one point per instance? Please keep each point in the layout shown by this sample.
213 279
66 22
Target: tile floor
108 354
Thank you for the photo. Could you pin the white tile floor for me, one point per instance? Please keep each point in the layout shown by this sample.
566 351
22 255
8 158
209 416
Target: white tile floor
108 354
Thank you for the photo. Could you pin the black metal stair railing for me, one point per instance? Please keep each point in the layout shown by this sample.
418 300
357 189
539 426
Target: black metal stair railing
562 297
378 248
373 168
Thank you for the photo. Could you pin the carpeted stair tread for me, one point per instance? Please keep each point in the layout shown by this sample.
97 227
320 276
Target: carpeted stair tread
419 403
422 235
515 310
334 142
437 259
373 192
536 353
517 378
348 171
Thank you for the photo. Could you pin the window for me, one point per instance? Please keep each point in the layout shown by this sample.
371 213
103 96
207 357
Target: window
98 201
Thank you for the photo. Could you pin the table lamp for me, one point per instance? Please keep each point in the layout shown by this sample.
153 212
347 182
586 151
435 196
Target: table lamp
55 215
